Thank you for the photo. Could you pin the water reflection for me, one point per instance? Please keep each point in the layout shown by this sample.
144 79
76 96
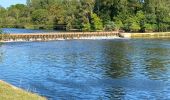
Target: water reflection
116 93
89 69
1 53
29 31
117 62
157 60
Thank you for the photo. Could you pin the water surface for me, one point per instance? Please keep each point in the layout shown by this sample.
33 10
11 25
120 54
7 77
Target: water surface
89 69
26 31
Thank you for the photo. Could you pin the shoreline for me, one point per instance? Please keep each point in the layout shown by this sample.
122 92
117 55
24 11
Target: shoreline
41 37
10 91
151 35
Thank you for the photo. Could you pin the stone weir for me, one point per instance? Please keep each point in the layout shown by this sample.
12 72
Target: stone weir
58 36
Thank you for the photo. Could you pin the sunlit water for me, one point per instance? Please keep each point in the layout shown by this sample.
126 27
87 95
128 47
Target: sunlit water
28 31
89 69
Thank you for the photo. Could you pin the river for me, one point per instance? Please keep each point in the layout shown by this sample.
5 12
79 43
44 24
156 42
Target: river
28 31
120 69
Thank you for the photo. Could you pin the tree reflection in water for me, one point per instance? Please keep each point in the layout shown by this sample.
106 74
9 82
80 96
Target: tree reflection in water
1 53
117 61
156 63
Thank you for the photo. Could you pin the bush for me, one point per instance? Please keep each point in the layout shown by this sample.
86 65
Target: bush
86 27
96 23
119 24
134 27
150 27
110 26
29 26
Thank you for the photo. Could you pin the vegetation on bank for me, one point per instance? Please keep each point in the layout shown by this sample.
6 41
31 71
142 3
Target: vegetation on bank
0 31
89 15
1 34
8 92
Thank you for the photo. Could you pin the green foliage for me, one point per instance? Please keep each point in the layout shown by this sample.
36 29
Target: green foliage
110 26
148 27
86 27
134 27
1 34
96 23
130 24
89 15
118 24
39 16
0 31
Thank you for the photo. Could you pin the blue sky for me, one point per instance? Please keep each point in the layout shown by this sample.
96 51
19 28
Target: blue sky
7 3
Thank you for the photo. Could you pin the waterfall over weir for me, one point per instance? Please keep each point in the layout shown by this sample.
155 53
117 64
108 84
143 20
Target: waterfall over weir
58 36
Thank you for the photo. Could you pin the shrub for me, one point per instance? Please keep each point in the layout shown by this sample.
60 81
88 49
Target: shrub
119 24
134 27
110 26
150 27
86 27
96 23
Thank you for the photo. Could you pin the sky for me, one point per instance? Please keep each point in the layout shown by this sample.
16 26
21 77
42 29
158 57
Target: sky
7 3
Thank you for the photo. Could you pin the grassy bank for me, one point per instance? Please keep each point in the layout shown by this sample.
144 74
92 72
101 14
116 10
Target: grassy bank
9 92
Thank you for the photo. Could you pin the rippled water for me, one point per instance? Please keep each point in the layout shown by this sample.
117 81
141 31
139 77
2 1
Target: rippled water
89 69
28 31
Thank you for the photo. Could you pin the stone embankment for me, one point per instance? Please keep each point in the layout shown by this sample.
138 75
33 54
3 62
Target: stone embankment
152 35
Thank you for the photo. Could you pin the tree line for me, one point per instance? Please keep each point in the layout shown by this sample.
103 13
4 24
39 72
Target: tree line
89 15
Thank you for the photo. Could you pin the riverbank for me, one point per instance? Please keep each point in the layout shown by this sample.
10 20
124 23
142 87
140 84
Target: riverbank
153 35
9 92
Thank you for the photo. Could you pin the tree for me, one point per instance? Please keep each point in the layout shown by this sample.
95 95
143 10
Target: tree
134 27
160 10
149 27
96 22
85 25
89 15
39 17
110 26
141 20
118 25
3 14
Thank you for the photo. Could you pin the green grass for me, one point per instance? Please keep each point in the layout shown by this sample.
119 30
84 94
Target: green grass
9 92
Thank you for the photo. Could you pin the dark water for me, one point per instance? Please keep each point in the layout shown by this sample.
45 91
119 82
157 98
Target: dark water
89 69
20 31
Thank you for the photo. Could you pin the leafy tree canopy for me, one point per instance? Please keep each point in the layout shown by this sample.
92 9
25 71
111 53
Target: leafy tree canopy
89 15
